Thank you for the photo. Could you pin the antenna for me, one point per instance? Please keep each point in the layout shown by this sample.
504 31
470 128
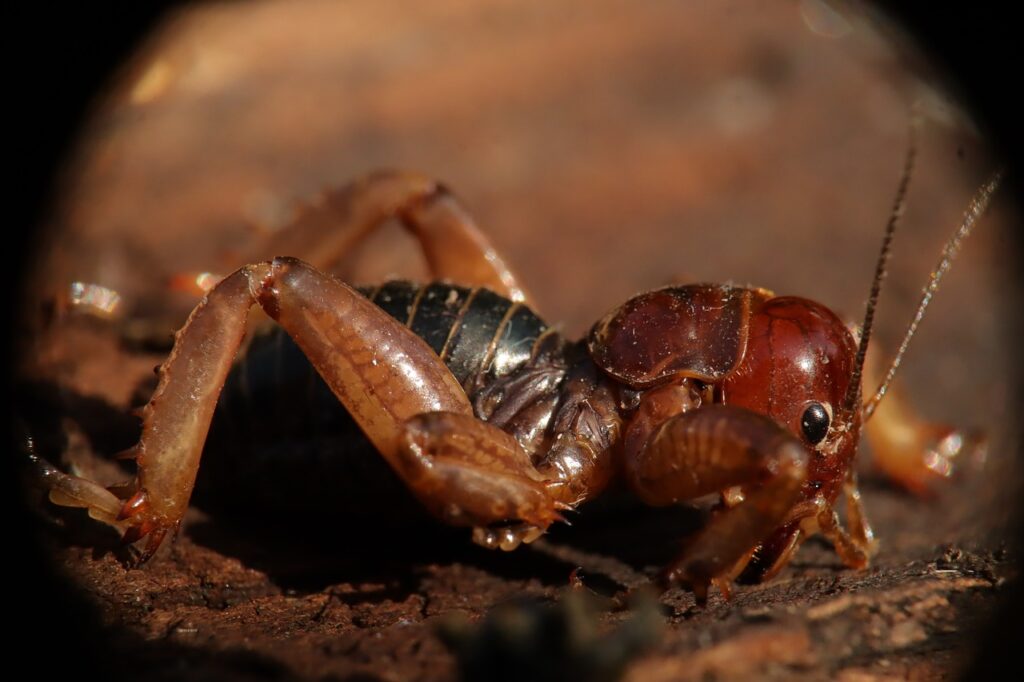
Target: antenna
853 391
974 211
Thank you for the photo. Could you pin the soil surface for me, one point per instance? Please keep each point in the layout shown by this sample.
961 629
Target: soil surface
606 148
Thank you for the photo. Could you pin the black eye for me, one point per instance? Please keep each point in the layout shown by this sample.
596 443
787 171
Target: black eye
815 423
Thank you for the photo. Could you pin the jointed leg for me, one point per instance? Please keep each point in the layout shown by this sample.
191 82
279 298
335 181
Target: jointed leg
382 373
854 546
908 450
455 249
176 419
861 533
709 450
470 473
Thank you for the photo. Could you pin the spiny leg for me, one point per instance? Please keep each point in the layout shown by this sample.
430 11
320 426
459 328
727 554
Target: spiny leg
175 422
708 450
455 249
380 371
470 473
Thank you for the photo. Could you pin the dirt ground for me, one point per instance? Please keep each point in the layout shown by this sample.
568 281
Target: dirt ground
606 148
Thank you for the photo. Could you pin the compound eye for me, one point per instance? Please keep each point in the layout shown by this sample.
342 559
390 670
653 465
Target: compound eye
815 423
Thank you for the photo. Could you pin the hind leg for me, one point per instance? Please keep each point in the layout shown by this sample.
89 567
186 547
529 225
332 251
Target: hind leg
455 249
379 370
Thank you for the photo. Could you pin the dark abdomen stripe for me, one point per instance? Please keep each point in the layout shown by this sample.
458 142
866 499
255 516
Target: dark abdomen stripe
477 333
470 339
394 298
514 341
437 312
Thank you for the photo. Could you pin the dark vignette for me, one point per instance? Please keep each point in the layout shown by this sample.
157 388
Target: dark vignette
61 57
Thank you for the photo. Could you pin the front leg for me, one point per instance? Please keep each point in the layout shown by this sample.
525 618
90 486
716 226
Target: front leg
708 450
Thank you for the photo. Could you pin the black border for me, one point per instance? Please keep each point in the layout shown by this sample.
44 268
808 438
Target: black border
62 54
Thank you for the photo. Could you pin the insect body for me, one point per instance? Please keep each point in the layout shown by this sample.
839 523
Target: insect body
491 419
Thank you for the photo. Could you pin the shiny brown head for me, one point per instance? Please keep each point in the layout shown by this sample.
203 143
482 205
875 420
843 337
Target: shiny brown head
787 358
796 369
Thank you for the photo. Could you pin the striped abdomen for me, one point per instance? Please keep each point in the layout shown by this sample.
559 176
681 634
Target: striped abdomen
477 333
281 440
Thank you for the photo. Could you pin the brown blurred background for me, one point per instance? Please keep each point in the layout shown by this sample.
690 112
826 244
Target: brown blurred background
606 147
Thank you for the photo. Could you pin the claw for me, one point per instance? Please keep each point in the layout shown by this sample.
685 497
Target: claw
138 557
695 580
153 544
154 531
137 511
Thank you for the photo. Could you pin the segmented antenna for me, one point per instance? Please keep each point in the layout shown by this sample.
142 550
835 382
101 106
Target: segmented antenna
853 391
974 211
